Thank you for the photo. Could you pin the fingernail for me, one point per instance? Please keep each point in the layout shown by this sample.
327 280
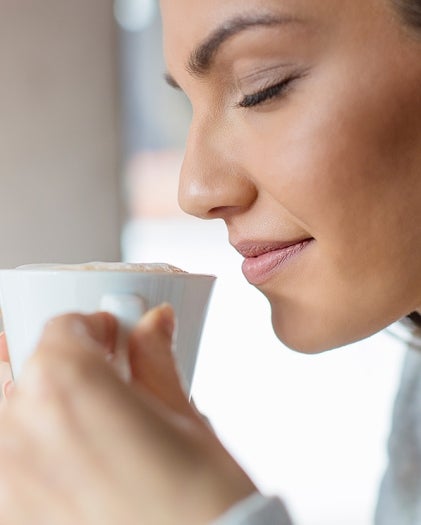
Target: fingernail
167 319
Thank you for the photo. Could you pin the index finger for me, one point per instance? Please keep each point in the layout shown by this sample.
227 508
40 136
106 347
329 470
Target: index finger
71 346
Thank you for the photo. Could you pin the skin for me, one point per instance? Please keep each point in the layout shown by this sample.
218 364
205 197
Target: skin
337 158
79 445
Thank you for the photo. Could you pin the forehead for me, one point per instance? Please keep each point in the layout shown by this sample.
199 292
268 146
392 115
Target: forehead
196 16
188 22
208 12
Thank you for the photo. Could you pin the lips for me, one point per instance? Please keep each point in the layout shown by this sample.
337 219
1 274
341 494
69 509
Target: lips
263 260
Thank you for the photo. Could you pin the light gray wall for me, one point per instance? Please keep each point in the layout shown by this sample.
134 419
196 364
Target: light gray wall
60 197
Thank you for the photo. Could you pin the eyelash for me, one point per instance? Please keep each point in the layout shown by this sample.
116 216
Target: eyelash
266 94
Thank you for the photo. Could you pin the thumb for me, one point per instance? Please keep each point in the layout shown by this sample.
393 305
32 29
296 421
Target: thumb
152 360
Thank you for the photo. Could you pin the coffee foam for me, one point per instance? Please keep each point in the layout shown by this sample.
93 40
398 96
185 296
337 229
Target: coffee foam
106 267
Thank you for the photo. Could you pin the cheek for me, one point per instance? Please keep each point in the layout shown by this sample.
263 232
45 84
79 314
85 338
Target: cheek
347 172
342 164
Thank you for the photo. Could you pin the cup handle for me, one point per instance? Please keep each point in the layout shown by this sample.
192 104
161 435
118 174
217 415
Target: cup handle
128 309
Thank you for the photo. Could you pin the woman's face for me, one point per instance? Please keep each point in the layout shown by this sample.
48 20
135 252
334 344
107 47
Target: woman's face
307 126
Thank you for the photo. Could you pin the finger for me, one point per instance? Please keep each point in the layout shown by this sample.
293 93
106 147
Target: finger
5 380
5 372
204 418
26 492
69 344
4 353
7 389
70 359
152 359
77 332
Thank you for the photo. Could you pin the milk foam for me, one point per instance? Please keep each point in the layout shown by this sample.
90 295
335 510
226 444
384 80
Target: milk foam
106 267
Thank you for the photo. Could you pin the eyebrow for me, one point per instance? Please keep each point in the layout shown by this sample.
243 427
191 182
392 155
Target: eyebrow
200 60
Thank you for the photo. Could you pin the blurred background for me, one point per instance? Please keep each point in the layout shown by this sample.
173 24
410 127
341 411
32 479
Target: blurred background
91 146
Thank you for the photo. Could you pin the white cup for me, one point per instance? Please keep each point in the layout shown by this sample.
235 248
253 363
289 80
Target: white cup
31 296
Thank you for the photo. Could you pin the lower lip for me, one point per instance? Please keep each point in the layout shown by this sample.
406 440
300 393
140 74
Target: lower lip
258 270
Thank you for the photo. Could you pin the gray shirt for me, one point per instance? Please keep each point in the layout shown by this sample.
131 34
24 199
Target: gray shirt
400 493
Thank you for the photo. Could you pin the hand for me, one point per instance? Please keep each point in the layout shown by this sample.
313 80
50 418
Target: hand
6 383
78 445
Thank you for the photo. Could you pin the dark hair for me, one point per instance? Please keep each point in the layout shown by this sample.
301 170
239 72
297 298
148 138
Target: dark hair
410 11
415 318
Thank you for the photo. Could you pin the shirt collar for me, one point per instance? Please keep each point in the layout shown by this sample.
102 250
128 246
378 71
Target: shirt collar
406 331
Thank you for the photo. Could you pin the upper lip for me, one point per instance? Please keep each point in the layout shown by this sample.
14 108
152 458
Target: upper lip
250 249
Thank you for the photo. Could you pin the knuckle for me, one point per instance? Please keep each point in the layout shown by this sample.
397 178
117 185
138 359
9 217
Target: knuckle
58 325
76 370
48 376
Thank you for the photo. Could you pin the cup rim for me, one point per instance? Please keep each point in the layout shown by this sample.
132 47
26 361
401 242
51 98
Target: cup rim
56 271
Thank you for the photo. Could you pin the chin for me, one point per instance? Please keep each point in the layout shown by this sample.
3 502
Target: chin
314 334
298 341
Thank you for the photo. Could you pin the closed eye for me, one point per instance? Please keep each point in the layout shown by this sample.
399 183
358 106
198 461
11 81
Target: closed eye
267 94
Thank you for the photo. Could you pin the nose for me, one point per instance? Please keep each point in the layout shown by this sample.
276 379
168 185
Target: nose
213 182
